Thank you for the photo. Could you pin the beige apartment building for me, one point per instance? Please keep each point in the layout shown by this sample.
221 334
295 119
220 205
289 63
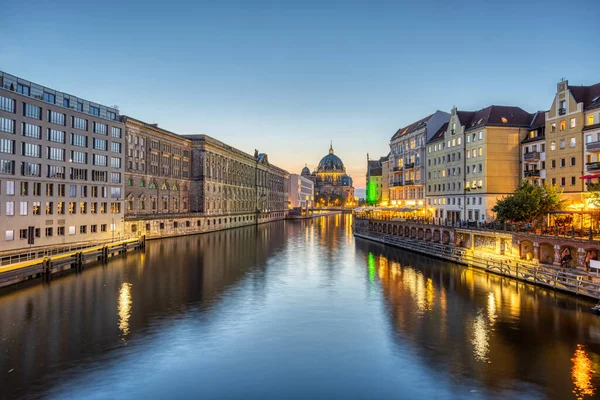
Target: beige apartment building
476 163
407 178
61 167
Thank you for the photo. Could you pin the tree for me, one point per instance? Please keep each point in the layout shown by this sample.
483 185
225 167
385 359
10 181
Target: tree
593 195
529 203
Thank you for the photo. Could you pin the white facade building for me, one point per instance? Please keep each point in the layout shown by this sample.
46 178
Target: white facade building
302 192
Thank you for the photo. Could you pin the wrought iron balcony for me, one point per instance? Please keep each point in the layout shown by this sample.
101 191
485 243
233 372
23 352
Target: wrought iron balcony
532 173
409 165
593 146
408 182
396 184
562 111
593 166
534 156
397 169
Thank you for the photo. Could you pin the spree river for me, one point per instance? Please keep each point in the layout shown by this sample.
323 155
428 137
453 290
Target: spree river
297 309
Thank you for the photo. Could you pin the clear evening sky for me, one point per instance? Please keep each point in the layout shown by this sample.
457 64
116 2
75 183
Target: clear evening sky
288 77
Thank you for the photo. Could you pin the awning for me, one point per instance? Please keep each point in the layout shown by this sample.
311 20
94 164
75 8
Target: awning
594 176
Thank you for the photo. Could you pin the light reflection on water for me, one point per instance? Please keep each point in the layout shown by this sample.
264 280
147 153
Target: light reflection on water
304 304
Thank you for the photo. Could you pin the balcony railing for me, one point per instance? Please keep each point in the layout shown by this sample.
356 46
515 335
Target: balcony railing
408 182
593 166
396 169
562 111
532 173
396 184
409 165
593 146
534 156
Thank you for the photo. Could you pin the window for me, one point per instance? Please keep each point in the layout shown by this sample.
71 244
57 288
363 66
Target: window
31 111
79 157
7 167
103 228
94 110
99 144
66 103
115 147
23 208
573 142
8 105
102 129
111 115
7 125
79 106
562 163
115 162
56 117
30 169
480 135
7 146
480 150
563 143
60 231
590 119
72 230
562 181
33 131
553 145
23 89
79 174
563 125
10 208
35 208
10 235
49 97
49 208
93 228
31 150
573 123
56 136
48 232
115 177
56 154
79 123
55 171
116 132
573 180
572 161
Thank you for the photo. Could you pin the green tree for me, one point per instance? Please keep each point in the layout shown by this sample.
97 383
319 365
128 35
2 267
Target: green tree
529 203
593 194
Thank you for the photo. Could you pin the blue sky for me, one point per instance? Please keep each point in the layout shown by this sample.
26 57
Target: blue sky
288 77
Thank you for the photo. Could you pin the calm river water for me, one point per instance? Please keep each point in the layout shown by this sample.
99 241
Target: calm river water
293 310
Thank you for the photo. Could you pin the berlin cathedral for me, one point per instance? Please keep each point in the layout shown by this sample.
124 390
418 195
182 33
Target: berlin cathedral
333 187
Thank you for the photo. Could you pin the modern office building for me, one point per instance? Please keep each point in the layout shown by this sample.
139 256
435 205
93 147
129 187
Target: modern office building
301 192
61 167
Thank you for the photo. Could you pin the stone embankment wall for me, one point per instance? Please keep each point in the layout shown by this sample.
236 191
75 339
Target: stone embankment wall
536 259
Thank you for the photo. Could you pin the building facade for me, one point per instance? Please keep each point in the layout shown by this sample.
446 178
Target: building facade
61 167
476 163
407 177
533 151
301 192
374 181
158 170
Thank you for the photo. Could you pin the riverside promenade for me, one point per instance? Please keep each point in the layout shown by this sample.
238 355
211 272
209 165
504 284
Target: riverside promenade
525 256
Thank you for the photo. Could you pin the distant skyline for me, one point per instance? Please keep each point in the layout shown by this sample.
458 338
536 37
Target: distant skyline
287 78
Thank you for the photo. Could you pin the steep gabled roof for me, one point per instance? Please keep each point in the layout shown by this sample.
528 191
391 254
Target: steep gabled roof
498 116
538 119
439 135
588 95
412 127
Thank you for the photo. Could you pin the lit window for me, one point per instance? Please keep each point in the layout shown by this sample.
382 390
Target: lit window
573 123
573 142
563 125
480 134
553 145
590 120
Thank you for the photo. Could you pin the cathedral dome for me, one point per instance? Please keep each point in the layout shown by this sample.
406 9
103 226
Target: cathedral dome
305 171
331 163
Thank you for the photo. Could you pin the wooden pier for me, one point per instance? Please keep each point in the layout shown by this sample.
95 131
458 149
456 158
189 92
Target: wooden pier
76 260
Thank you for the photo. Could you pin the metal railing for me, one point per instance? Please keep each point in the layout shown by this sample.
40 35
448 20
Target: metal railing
532 172
532 156
593 166
593 146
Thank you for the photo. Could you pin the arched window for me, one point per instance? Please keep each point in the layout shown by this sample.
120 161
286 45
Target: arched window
152 185
164 186
174 187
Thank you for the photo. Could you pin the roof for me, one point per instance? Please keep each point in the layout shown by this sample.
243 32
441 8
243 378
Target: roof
412 127
538 119
376 171
497 116
439 135
588 95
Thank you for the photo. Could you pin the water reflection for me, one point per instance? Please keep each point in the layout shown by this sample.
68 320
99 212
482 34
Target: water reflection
124 308
582 373
486 328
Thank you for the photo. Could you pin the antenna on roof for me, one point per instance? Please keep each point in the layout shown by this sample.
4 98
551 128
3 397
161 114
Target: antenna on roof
562 79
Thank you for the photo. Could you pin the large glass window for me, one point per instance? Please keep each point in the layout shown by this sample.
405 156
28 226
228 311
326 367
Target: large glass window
7 104
7 146
56 136
80 123
31 111
94 110
99 144
79 140
116 132
56 171
7 125
31 150
100 160
79 157
56 154
7 167
33 131
49 97
56 117
23 89
30 169
115 147
100 128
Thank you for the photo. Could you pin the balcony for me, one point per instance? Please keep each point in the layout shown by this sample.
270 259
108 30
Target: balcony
562 111
592 166
398 169
396 184
593 146
532 173
408 182
409 165
534 156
